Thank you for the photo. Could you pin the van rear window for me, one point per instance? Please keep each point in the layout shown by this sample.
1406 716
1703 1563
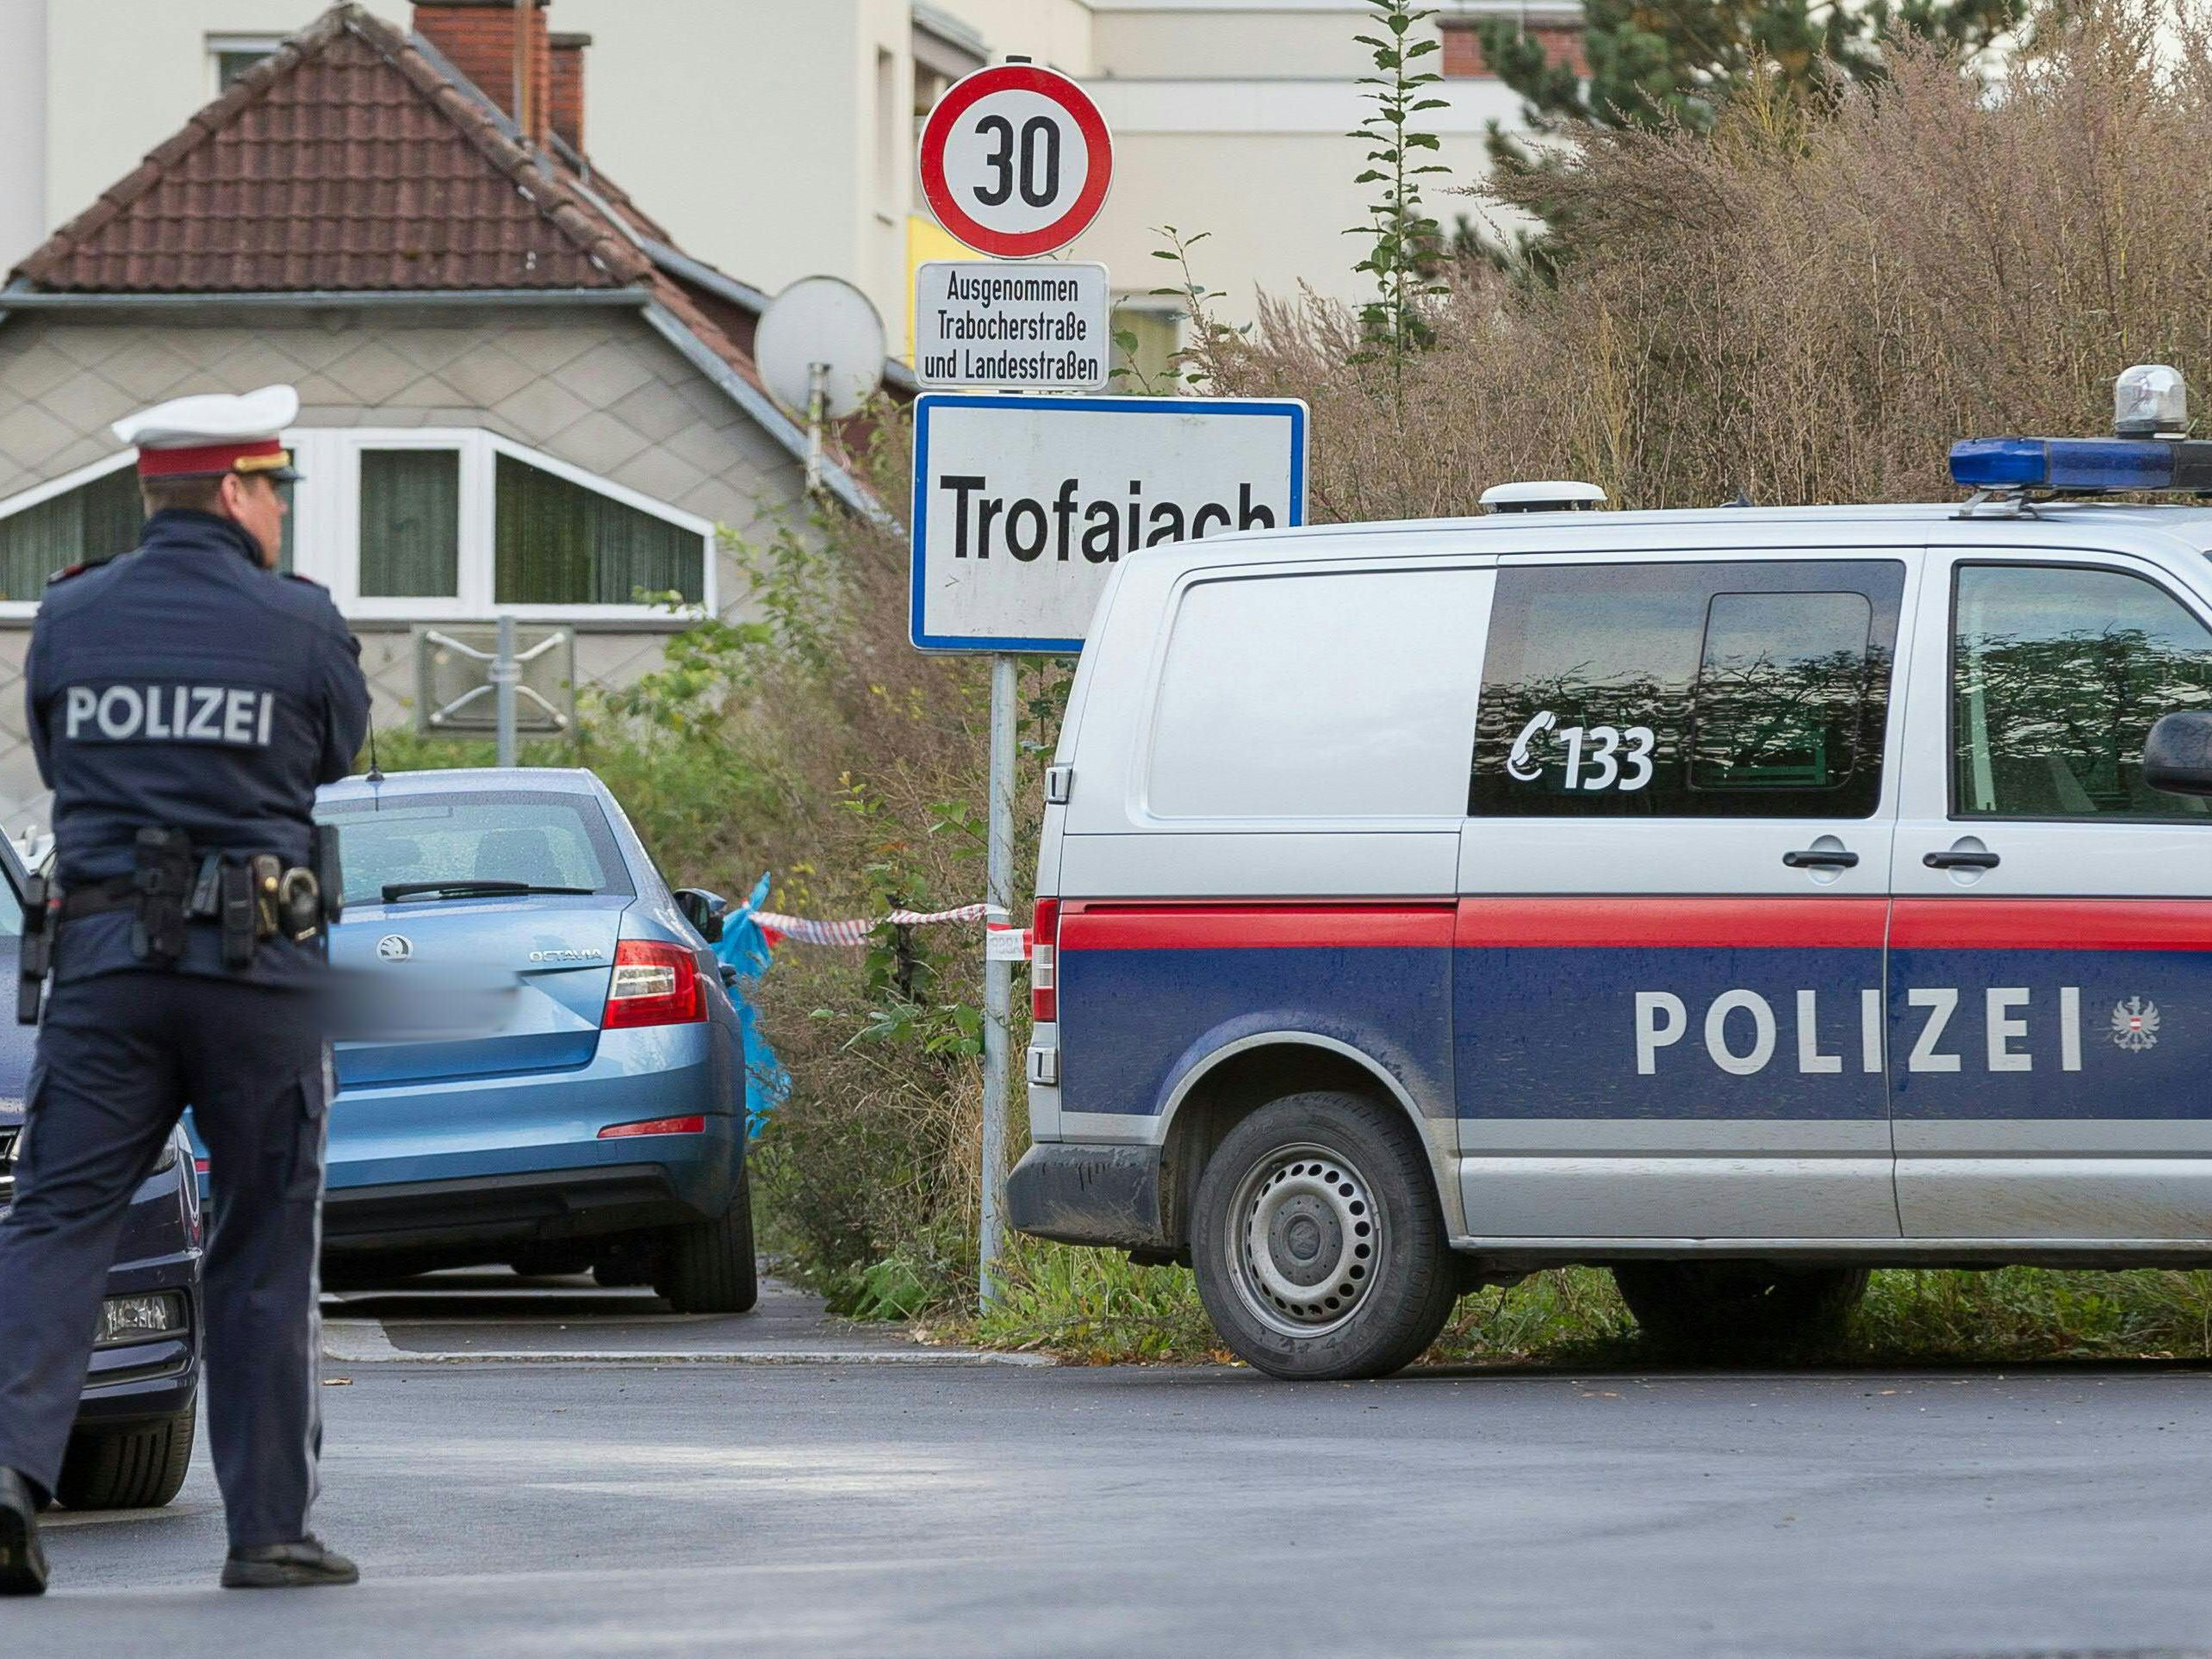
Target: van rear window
1327 695
1690 690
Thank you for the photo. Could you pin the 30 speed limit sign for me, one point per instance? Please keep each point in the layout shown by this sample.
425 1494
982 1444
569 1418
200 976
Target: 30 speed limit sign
1016 160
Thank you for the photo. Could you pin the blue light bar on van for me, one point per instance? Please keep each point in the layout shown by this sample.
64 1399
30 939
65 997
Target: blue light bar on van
2081 464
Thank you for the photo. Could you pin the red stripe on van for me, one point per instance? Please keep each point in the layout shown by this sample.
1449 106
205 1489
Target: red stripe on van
1096 925
2052 924
1656 923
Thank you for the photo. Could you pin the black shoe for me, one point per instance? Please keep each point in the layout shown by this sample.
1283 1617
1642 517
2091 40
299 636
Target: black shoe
284 1566
22 1562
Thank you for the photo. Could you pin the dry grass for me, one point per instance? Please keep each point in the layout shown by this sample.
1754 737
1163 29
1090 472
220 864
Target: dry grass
1810 305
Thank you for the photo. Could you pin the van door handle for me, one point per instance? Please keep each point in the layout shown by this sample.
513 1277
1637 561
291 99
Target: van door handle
1821 858
1955 860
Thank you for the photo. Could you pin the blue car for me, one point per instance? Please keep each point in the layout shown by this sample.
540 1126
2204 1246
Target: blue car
134 1426
598 1122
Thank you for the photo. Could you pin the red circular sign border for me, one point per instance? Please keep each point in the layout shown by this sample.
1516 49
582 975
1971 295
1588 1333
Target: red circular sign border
1011 77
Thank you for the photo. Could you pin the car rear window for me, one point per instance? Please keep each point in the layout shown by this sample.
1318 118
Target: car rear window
548 841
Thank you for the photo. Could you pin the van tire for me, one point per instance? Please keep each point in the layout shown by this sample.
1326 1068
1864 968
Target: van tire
709 1268
1312 1197
127 1466
1740 1310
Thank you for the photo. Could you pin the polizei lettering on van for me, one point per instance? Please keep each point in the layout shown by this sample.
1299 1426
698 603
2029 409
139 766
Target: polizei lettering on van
1744 1033
237 717
1076 525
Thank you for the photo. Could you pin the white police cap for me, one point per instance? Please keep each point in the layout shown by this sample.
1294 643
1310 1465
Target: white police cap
214 432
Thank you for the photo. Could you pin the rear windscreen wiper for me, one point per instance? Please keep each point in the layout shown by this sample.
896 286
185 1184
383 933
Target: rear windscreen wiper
466 889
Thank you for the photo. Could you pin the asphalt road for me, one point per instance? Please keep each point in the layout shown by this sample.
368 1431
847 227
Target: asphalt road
858 1507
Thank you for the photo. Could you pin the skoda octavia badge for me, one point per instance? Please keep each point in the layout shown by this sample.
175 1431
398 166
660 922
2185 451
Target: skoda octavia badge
394 948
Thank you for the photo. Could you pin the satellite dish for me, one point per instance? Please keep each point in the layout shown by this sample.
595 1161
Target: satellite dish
820 328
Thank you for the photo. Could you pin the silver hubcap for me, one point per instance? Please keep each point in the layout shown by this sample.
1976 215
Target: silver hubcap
1306 1240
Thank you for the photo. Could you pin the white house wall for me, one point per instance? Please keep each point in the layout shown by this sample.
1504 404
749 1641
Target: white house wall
1282 229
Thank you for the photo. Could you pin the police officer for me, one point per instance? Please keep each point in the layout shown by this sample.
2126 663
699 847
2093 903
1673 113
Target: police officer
185 700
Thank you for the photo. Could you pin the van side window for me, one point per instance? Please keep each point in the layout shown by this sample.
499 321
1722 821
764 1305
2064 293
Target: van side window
1692 690
2057 675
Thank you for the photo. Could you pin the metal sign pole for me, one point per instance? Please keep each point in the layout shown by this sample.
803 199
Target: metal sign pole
997 975
505 672
818 382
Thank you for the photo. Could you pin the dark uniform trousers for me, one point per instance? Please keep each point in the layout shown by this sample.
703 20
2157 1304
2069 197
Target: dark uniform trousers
119 1055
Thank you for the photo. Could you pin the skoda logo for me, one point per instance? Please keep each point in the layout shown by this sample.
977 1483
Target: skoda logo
394 948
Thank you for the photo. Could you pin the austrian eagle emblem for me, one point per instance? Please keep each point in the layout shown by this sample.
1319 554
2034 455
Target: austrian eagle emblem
2136 1025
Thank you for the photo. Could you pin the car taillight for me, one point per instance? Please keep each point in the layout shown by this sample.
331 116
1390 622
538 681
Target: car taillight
1044 962
654 983
693 1124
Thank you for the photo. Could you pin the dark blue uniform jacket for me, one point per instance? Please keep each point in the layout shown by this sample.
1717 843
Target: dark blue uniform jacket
183 686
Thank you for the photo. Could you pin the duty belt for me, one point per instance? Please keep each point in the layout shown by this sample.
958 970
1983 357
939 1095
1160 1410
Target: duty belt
252 897
98 900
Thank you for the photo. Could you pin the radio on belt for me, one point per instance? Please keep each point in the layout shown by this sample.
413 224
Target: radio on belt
1737 898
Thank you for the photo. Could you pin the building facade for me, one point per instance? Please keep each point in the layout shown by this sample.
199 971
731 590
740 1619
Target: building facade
776 138
518 396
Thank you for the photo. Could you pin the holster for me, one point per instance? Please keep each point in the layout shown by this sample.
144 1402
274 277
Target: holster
36 958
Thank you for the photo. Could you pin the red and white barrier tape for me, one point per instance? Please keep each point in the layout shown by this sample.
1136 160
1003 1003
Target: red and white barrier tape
856 932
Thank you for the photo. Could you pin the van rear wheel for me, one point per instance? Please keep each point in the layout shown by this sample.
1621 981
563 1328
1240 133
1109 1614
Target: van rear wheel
1318 1241
1740 1310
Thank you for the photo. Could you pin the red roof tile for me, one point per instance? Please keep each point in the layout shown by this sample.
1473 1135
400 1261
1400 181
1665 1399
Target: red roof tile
345 161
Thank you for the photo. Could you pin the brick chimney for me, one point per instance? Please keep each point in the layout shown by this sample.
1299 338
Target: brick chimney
568 106
478 39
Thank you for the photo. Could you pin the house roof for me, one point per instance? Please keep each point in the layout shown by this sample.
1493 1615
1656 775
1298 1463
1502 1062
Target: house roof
346 160
357 160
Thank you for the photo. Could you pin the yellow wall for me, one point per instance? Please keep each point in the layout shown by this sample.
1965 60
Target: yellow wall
925 241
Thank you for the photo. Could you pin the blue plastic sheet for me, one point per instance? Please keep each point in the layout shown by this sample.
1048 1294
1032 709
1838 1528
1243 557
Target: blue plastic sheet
746 948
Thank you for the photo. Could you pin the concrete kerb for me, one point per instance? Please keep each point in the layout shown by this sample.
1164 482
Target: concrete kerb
363 1342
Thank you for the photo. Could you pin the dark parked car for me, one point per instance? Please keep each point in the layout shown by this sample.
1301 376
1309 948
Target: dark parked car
134 1434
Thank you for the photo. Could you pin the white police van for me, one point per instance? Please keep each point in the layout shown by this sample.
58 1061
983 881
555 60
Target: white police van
1740 898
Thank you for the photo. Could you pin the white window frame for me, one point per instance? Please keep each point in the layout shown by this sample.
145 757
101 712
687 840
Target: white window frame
30 498
219 44
326 530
